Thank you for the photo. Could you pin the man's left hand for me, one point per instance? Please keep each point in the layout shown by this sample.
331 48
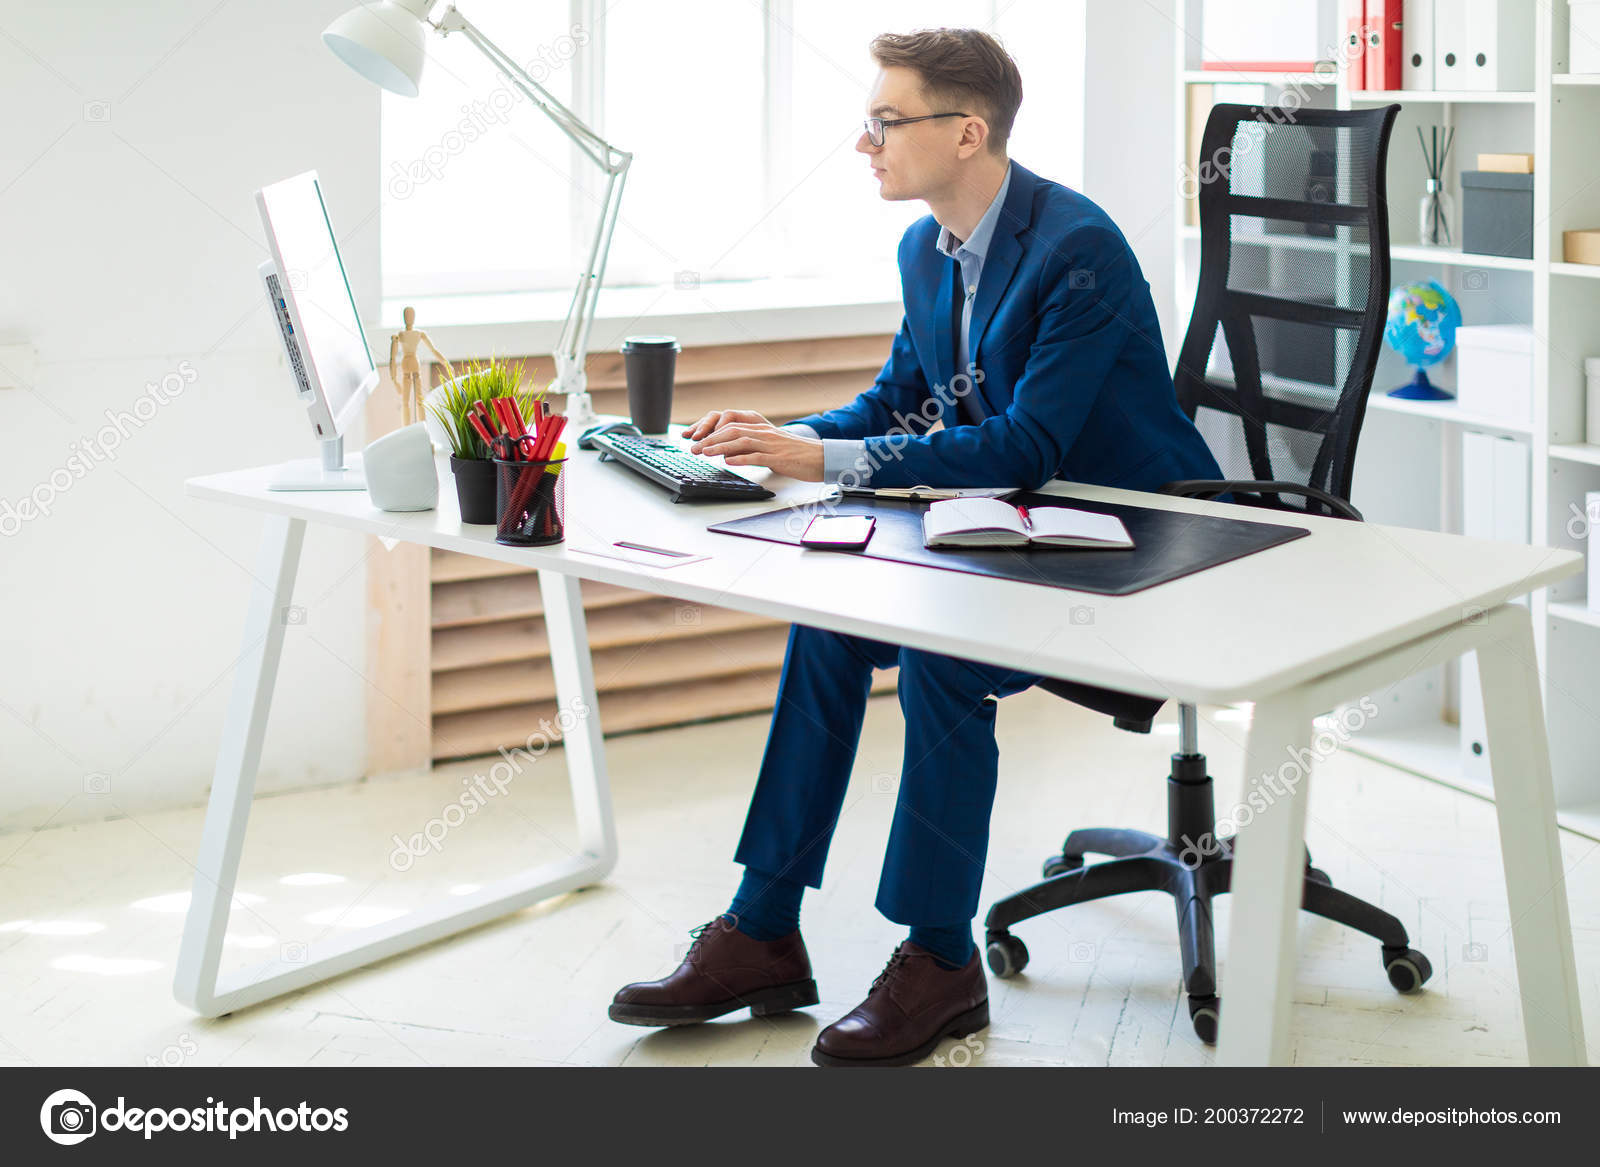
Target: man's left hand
749 443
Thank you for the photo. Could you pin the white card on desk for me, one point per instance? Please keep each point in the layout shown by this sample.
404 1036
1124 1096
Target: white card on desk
661 558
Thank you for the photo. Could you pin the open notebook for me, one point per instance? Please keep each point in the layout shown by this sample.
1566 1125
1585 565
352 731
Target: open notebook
990 522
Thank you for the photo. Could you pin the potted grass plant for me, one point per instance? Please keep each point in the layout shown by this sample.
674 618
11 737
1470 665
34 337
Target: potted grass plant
470 457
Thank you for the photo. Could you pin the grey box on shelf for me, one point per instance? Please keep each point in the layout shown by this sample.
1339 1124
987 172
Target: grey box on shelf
1497 213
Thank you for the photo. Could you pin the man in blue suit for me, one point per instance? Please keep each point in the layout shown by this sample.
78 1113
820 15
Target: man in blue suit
1029 350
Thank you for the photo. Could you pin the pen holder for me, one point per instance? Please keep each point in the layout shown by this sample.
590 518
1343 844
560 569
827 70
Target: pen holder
530 500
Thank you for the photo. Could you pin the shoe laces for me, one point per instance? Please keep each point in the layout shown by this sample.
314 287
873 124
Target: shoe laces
702 932
896 962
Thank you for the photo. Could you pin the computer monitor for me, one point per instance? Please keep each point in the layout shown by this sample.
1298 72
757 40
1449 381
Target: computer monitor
314 313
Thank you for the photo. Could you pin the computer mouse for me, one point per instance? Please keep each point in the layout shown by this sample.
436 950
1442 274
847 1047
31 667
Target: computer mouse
586 439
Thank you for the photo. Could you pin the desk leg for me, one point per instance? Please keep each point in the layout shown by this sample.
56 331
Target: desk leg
233 781
581 739
198 983
1524 800
1268 869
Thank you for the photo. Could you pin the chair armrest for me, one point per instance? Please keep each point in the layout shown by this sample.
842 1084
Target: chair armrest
1210 488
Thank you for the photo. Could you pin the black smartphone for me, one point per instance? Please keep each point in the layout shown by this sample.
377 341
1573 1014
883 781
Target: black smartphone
839 532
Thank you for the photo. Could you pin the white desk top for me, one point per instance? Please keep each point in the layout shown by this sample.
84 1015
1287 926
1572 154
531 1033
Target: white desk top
1239 631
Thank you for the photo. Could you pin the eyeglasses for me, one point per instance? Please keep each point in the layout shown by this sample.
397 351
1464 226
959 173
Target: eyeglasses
876 126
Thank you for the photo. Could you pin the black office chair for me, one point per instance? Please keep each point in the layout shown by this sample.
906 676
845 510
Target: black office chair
1282 412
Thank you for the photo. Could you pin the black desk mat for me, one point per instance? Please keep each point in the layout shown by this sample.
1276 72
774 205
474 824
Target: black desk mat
1167 544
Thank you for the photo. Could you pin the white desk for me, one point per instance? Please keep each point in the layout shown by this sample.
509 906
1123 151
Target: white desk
1298 629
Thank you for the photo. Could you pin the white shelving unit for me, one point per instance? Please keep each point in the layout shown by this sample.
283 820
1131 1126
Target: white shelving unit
1409 463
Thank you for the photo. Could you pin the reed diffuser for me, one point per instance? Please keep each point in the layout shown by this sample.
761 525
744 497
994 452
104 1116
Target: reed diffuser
1437 210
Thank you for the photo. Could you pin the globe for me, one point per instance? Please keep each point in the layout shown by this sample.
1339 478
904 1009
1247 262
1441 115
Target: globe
1422 324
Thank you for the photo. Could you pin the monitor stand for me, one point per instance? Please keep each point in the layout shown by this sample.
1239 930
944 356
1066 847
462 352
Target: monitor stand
332 472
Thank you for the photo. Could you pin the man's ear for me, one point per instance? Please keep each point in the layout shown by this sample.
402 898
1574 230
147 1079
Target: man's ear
974 137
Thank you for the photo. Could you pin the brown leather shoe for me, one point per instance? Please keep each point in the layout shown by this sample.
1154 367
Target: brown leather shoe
911 1007
725 970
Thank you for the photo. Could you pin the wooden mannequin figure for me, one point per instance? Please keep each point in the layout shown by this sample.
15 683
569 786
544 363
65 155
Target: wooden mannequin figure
409 380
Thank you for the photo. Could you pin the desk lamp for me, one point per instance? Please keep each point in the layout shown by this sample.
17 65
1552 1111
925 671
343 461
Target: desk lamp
385 43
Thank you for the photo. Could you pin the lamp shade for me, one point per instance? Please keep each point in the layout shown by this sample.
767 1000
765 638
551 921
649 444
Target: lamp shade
383 42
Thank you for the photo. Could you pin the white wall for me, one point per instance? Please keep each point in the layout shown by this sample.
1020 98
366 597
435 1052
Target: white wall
128 254
1130 88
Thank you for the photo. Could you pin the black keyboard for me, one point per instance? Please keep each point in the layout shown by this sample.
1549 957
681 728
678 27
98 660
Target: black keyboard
686 475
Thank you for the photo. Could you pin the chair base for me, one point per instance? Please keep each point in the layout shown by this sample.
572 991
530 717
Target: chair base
1193 866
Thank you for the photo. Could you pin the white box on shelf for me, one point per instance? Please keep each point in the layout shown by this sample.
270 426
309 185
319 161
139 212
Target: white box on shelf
1268 35
1591 421
1416 67
1583 36
1494 370
1483 45
1511 522
1591 511
1494 505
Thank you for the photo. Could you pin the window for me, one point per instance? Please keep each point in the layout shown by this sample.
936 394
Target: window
742 118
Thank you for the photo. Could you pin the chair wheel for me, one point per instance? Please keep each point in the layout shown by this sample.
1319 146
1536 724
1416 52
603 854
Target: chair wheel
1060 864
1408 969
1203 1012
1317 875
1006 954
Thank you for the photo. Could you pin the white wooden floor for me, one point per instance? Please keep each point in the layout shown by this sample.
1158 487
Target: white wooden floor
90 916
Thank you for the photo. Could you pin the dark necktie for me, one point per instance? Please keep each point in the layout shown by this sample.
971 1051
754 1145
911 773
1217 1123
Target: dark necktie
969 409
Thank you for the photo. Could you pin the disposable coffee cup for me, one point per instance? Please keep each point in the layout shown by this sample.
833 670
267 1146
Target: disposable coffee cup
650 363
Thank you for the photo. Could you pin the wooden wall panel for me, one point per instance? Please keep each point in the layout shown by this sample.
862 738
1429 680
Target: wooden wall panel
399 595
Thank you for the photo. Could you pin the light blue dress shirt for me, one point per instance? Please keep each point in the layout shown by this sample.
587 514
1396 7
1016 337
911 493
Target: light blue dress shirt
840 455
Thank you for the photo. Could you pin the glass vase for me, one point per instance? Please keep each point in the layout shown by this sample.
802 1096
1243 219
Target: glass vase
1436 217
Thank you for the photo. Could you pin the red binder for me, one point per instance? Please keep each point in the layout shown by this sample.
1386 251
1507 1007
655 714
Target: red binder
1355 45
1385 50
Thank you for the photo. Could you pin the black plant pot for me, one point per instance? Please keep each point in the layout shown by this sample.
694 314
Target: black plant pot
475 483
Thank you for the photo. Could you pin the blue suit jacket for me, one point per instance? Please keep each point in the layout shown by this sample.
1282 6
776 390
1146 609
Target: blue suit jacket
1065 336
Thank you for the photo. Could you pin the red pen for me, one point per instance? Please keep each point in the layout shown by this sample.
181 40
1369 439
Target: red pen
483 431
1023 511
547 439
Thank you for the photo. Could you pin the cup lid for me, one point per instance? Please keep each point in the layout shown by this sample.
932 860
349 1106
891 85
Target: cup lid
642 342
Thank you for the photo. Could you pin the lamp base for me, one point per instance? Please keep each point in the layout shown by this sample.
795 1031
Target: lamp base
1419 388
580 412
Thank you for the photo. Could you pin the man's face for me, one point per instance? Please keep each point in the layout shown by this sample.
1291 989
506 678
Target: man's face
914 161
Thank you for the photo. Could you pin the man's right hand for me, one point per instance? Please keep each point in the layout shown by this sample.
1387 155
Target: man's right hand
717 418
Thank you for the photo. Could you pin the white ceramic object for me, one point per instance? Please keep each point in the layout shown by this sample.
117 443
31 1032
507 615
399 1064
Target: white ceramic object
400 471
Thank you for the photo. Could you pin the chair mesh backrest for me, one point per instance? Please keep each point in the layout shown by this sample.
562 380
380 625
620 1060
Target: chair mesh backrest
1294 282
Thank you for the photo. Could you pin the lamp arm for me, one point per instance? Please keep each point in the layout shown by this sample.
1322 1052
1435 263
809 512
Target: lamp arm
602 153
573 348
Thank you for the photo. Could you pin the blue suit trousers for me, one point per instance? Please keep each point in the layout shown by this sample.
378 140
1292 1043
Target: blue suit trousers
933 866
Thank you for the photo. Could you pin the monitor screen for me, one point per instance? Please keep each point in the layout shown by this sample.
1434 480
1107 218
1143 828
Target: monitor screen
341 370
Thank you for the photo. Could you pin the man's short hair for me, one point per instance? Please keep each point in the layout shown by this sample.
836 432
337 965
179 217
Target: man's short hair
964 67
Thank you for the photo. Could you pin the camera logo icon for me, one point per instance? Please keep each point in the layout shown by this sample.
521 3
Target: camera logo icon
67 1117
